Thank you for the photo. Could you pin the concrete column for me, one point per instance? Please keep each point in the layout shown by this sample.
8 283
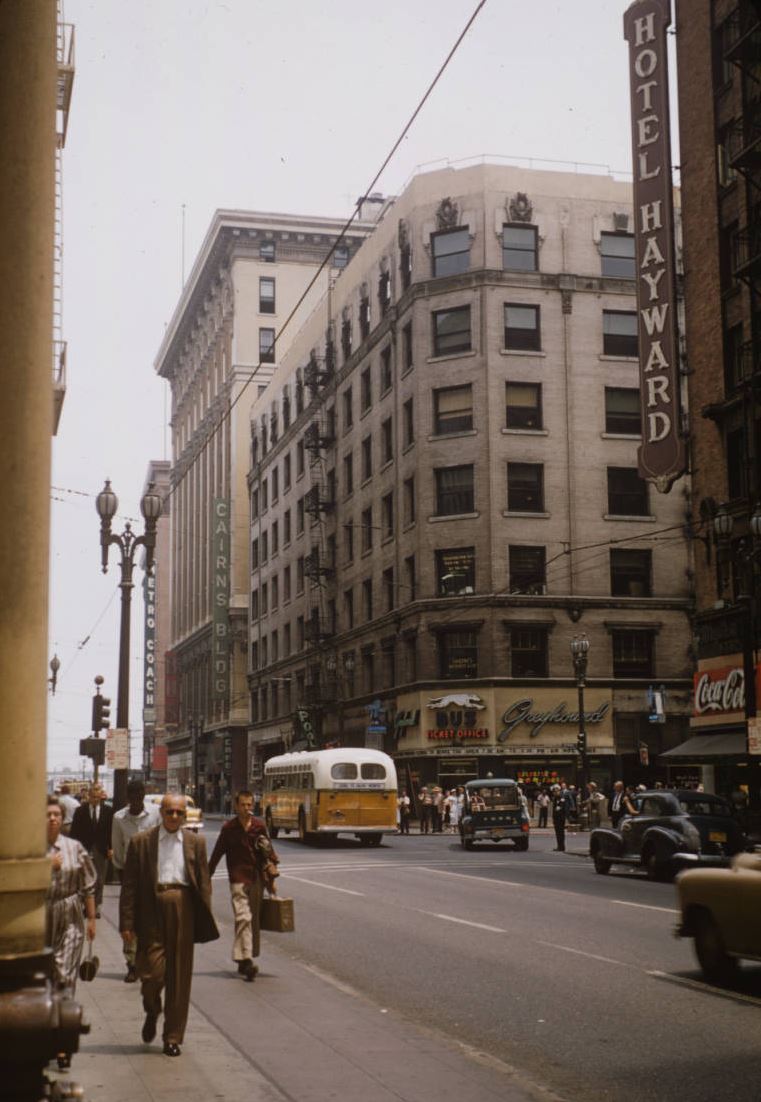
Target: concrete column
27 206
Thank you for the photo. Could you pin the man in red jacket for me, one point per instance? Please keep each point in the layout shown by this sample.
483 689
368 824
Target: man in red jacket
251 866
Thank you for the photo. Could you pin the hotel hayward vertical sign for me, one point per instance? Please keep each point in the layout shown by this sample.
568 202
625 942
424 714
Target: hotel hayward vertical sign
220 593
662 454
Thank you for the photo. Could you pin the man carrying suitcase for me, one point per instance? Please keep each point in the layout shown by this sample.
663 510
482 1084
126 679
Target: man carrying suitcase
251 867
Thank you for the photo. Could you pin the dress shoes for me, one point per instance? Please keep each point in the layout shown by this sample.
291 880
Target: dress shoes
242 967
171 1049
250 971
149 1027
131 976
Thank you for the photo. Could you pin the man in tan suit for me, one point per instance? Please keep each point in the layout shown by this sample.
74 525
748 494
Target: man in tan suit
166 904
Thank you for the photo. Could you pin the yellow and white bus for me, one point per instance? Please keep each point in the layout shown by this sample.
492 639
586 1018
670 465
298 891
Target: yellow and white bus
345 791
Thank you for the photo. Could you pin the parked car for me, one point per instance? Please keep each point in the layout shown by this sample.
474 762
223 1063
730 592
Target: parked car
672 830
193 816
494 811
720 910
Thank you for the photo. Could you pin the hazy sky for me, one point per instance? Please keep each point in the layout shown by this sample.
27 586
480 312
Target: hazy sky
288 105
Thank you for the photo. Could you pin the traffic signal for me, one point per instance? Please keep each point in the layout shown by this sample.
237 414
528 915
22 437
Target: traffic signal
94 748
101 713
581 742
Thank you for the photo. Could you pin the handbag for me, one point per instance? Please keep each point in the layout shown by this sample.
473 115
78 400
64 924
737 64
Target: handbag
277 915
88 969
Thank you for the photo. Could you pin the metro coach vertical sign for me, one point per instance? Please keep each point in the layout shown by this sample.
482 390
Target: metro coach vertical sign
220 592
662 454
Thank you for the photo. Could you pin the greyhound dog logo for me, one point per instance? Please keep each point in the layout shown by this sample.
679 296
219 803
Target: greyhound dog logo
457 700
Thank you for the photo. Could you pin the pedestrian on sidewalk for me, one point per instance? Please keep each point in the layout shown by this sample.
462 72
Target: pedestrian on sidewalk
166 905
91 825
68 806
405 810
542 801
561 803
251 867
426 810
128 822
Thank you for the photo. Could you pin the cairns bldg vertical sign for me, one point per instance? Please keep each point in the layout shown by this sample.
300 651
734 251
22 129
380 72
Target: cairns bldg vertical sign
662 455
220 591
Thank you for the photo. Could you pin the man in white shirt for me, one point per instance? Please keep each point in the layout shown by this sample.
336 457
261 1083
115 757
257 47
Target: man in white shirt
68 805
127 823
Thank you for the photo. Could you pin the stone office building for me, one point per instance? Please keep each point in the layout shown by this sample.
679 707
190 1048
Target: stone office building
219 350
450 495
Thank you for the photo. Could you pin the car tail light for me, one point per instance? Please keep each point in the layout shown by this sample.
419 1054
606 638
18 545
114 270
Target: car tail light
524 828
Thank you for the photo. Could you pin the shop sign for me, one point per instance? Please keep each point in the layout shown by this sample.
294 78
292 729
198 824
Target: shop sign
461 733
662 454
149 634
220 589
522 711
534 751
117 748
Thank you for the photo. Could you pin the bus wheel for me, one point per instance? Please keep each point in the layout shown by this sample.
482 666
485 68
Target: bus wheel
367 839
271 830
303 834
376 840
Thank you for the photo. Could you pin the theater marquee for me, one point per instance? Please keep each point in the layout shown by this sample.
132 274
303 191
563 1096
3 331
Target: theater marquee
662 454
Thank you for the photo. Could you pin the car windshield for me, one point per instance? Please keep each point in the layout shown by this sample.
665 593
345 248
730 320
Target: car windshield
493 799
700 805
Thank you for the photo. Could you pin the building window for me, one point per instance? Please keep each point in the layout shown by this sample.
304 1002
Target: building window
525 487
736 464
267 346
456 571
266 295
734 364
386 374
349 542
366 384
455 493
519 251
527 569
275 595
265 495
286 527
630 572
458 655
275 484
254 504
265 545
409 499
267 252
299 458
367 529
367 458
349 608
633 653
387 440
364 318
452 410
254 656
346 338
348 409
523 405
409 422
254 554
349 473
451 331
275 538
265 599
367 598
300 516
384 292
622 416
529 652
340 256
450 250
265 651
300 574
286 472
522 332
254 604
286 641
287 584
368 670
617 255
728 255
387 515
627 493
619 333
410 577
389 589
407 361
300 639
405 266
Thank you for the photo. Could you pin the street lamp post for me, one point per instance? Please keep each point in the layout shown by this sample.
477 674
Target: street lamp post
579 653
150 506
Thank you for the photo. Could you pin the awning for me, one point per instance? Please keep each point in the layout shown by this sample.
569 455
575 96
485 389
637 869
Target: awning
731 743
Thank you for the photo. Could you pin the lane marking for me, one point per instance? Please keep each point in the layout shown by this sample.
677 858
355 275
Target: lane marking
706 988
466 922
327 978
318 884
487 879
592 956
645 906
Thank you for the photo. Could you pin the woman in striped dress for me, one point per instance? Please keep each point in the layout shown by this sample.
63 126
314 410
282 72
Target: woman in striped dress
72 889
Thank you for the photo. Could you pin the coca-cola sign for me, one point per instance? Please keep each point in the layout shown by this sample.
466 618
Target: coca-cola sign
720 690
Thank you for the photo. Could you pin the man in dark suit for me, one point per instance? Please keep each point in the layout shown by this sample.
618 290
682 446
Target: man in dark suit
166 905
616 804
91 825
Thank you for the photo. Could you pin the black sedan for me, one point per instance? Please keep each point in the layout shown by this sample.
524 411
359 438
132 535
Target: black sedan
671 830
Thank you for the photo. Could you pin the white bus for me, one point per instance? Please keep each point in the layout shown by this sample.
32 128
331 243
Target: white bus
344 791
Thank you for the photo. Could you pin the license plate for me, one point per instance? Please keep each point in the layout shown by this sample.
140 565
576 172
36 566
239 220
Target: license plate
717 836
497 834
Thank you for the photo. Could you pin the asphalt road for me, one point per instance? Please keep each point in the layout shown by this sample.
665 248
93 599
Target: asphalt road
573 978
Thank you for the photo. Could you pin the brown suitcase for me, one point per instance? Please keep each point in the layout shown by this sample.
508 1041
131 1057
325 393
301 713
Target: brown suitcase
277 915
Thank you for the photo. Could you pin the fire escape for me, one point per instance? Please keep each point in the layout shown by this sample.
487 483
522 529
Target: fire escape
65 62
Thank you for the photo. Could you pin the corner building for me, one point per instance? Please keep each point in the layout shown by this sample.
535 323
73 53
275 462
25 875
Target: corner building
218 352
451 495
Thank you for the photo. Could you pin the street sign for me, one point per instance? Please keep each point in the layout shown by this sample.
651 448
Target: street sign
117 748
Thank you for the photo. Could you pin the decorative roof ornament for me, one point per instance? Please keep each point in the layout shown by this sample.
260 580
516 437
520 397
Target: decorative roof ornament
520 208
448 214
